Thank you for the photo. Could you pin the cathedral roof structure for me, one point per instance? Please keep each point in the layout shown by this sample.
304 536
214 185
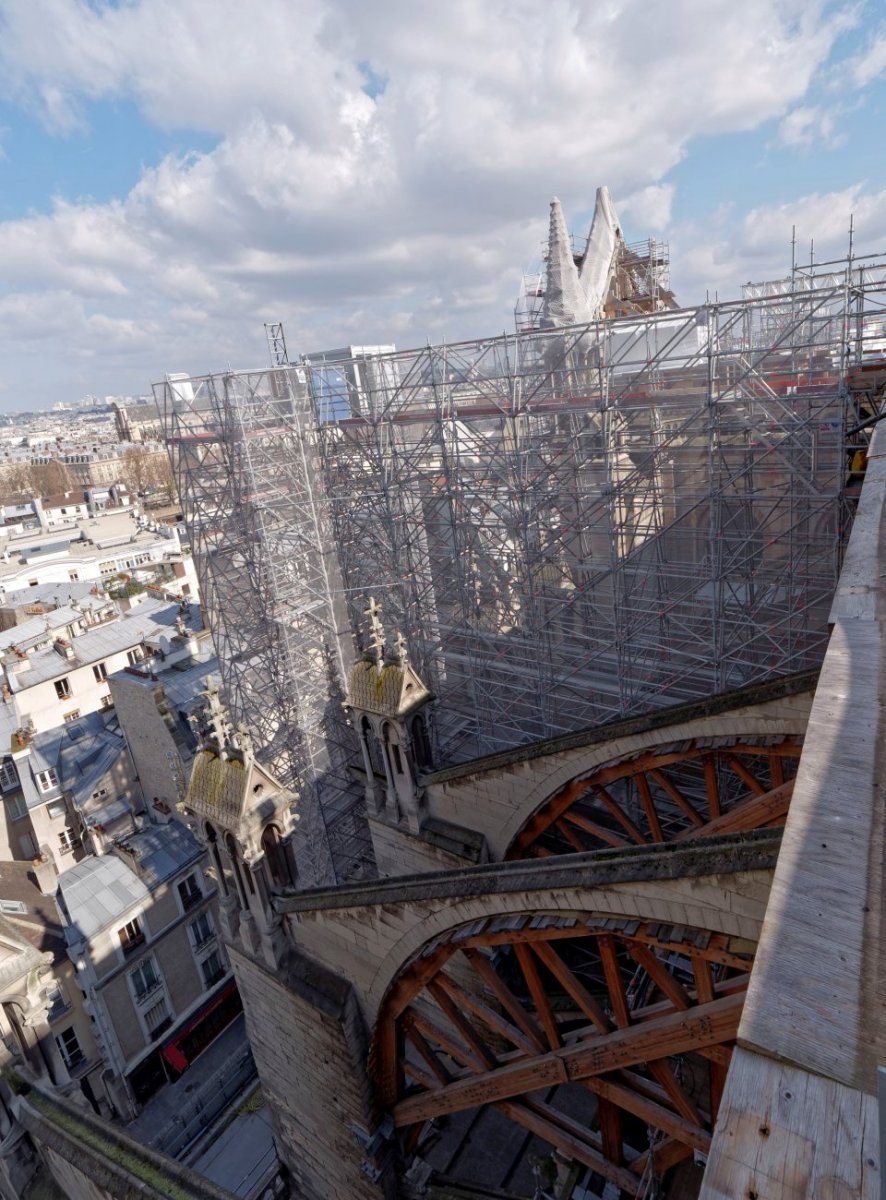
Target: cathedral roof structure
389 690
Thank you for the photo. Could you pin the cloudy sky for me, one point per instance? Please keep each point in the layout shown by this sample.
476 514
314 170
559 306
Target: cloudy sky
174 173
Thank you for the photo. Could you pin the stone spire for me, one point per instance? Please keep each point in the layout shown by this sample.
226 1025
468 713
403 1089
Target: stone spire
601 253
564 298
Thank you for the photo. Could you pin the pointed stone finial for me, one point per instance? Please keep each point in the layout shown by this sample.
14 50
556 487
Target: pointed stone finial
563 294
215 717
377 640
243 741
401 649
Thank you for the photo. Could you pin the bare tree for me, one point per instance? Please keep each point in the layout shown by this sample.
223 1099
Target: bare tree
164 476
50 478
36 479
16 479
138 469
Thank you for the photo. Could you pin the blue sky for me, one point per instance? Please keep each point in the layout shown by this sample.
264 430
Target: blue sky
176 172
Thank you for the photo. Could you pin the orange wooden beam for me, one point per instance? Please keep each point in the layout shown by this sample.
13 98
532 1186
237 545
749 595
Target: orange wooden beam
678 1033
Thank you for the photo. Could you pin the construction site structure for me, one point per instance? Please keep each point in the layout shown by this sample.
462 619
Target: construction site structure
571 883
582 520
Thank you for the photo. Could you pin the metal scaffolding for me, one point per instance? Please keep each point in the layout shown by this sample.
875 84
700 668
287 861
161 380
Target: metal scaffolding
567 525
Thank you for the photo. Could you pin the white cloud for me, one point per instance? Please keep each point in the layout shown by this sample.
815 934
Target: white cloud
806 126
870 64
650 207
398 214
759 246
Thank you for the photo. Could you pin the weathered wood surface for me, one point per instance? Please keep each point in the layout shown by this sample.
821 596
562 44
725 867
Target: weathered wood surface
799 1115
785 1134
815 998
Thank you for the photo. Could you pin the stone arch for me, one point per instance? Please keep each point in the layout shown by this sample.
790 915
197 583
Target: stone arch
493 1013
394 750
370 738
242 874
675 791
733 905
543 778
211 836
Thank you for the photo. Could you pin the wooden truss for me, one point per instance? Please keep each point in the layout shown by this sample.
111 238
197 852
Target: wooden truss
518 1012
673 793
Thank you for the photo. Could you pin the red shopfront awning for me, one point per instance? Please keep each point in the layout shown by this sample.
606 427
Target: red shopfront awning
172 1051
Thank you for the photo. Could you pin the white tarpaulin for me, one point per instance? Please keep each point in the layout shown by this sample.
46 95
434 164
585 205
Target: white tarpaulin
573 297
600 253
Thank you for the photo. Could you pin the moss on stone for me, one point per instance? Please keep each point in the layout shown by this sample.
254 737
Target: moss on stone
122 1155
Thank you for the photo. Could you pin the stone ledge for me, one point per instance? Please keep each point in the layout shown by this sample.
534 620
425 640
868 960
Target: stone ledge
757 850
455 839
755 693
111 1159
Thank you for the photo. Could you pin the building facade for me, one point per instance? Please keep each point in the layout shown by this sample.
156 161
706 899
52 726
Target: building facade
141 924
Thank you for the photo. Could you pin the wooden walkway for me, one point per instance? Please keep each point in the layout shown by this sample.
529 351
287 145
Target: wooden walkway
799 1114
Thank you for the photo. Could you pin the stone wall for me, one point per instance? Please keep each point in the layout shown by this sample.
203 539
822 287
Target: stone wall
310 1045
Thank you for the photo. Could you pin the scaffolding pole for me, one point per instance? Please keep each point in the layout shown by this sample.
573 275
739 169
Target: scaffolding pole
568 526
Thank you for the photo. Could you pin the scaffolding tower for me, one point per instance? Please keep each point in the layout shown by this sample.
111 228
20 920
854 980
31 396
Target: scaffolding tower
568 526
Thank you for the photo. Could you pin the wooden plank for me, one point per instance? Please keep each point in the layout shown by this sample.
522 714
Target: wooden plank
411 1069
538 994
678 798
664 980
667 1154
412 981
572 838
644 762
455 1049
603 835
663 1072
611 1132
653 1114
414 1035
678 1033
704 982
576 989
552 810
615 809
753 813
784 1132
786 749
746 776
649 807
388 1076
505 997
776 769
711 785
460 1024
614 982
568 1143
490 1018
717 1081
